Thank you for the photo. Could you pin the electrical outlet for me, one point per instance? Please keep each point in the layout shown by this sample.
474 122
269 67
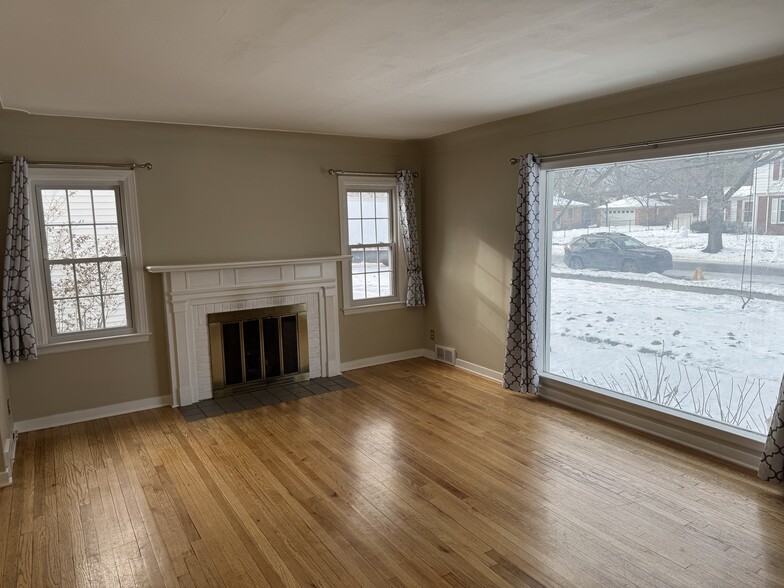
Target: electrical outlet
432 335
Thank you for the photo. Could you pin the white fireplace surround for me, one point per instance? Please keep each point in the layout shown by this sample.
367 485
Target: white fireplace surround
193 291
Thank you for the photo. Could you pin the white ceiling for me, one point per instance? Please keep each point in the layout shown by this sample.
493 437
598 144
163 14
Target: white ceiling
380 68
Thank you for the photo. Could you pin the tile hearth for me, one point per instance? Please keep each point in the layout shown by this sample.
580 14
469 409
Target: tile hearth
254 396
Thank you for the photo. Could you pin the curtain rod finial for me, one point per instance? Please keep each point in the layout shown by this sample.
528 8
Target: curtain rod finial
332 172
147 165
514 161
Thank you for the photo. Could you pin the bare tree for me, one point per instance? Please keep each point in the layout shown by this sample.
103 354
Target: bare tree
581 184
725 174
644 182
715 176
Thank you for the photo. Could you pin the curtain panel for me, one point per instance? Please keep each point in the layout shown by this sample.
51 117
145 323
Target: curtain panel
415 289
771 468
523 359
18 332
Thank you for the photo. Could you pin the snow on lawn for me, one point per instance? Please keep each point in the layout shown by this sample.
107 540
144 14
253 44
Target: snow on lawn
627 337
768 249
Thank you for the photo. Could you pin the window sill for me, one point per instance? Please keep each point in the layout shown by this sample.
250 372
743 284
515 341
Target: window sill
374 307
93 343
729 443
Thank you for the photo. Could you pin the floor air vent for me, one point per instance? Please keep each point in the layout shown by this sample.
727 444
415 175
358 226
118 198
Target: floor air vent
445 354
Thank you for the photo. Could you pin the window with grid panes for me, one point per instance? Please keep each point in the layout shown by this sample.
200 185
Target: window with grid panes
373 273
87 277
370 239
84 258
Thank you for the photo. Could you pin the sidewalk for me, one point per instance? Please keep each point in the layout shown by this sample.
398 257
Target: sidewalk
724 267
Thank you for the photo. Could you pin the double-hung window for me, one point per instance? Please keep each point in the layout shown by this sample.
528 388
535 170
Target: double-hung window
748 210
87 280
369 234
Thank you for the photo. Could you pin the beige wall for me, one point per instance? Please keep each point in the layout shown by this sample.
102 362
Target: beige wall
470 188
213 195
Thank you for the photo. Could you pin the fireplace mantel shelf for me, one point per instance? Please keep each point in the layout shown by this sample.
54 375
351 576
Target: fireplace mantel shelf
162 269
192 292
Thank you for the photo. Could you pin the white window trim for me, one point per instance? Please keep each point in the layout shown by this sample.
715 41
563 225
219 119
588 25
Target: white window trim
358 183
138 331
775 212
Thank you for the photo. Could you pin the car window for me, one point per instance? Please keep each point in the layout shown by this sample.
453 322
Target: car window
578 244
606 244
630 243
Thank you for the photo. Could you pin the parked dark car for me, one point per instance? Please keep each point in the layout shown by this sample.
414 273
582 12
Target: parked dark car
615 251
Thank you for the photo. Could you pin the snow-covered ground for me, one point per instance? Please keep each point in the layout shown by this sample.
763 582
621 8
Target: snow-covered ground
708 355
768 249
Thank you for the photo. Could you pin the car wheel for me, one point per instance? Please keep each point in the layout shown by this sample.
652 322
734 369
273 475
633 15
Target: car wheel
629 265
576 263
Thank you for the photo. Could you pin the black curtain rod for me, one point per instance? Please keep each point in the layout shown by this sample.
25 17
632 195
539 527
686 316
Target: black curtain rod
656 143
340 172
147 165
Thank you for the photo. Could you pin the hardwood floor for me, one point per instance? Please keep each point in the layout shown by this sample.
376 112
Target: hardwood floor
421 475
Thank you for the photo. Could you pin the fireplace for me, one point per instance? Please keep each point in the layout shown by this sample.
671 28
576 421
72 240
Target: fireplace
258 346
195 294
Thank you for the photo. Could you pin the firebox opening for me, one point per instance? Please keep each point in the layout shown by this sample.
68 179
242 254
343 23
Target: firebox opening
258 346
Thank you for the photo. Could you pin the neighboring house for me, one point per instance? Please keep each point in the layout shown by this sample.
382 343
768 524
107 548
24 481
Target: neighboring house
570 214
759 206
636 211
739 209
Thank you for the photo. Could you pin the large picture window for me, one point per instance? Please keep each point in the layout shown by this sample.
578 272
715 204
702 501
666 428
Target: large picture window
675 306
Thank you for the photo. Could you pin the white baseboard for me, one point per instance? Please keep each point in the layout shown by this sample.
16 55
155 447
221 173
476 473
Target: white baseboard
476 369
479 370
79 416
379 359
9 454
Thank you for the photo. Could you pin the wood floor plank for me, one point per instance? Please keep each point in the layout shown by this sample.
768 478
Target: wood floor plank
247 558
5 521
27 576
325 471
317 499
422 475
317 555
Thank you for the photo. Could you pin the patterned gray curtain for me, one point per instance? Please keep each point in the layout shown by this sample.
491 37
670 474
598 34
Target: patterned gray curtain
415 291
18 332
771 468
521 370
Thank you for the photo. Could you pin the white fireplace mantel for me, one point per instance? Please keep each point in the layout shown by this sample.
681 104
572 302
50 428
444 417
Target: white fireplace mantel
193 291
